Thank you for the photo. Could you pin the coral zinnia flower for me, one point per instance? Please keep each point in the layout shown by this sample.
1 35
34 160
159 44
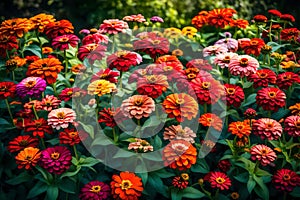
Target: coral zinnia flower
267 128
239 23
219 180
31 86
7 89
21 142
200 64
138 106
113 26
252 46
140 145
135 18
286 79
28 158
270 98
122 60
220 17
214 50
243 65
180 106
38 127
180 183
61 117
211 120
264 154
106 74
8 43
16 26
95 38
95 190
56 159
292 125
200 20
295 109
179 154
40 21
45 68
178 133
126 186
62 42
152 85
61 27
234 95
69 136
101 87
262 78
50 102
240 129
289 34
68 93
285 180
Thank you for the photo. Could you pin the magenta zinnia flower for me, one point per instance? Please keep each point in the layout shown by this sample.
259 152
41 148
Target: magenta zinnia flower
138 106
31 86
267 128
155 19
92 52
122 60
113 26
292 125
61 117
95 190
285 180
262 153
56 159
270 98
243 65
63 42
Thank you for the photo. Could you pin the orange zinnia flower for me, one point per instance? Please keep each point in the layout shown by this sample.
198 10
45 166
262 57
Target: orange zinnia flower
40 21
28 157
240 23
240 129
295 109
200 20
220 17
211 120
179 154
62 27
46 68
126 186
252 46
16 26
101 87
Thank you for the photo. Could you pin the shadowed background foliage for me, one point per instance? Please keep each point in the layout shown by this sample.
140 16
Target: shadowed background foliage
90 13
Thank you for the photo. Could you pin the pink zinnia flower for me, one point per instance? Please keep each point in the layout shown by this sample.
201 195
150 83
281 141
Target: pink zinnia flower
122 60
243 65
214 50
267 128
31 86
262 153
95 38
138 106
113 26
63 42
56 159
177 132
155 19
95 190
135 18
200 64
219 180
262 78
231 44
285 180
270 98
50 102
292 125
61 117
223 60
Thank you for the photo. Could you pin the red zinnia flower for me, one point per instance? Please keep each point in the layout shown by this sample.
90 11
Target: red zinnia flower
95 38
274 12
289 34
267 128
292 125
38 127
69 136
250 113
224 165
200 20
253 46
21 142
285 180
287 17
220 17
152 85
219 180
240 23
260 18
211 120
262 78
61 27
262 153
126 186
95 190
200 64
270 98
106 74
7 89
234 95
113 26
180 183
122 60
69 93
28 158
8 43
240 129
111 116
92 52
286 80
62 42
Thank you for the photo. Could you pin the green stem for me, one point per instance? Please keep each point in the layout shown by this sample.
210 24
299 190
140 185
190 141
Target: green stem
120 80
270 29
40 42
204 108
217 194
9 111
54 89
115 135
256 166
75 152
66 61
43 143
13 75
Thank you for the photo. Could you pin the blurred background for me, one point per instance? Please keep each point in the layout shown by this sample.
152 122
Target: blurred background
178 13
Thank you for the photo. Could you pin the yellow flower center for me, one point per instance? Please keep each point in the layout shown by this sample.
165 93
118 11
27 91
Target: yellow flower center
3 88
28 157
138 102
272 94
230 90
168 68
220 180
65 39
240 127
206 85
286 177
297 124
72 134
151 78
60 115
30 84
191 76
179 101
244 62
96 188
263 75
155 41
126 184
253 42
55 155
226 59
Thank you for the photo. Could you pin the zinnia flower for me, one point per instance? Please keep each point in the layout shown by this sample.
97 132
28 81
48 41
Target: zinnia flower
50 102
252 46
224 165
267 128
179 182
295 109
179 154
240 129
106 74
220 17
95 190
285 180
68 93
214 50
111 116
92 52
62 42
230 43
219 180
122 60
262 78
7 89
264 154
152 85
31 86
270 98
113 26
61 117
292 125
15 26
250 113
126 186
289 34
234 95
40 21
38 127
56 159
101 87
135 18
211 120
239 23
260 19
200 20
7 43
138 106
69 136
45 68
140 145
287 17
189 31
287 79
178 133
180 106
274 12
200 64
21 142
57 28
243 65
95 38
156 19
28 158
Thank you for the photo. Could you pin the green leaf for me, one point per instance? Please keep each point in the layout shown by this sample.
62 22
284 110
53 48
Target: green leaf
121 153
89 129
251 184
102 140
157 184
54 141
242 177
89 162
52 193
250 100
192 193
295 192
70 174
37 189
4 121
247 84
144 177
21 178
201 167
261 189
67 186
281 113
175 195
35 49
